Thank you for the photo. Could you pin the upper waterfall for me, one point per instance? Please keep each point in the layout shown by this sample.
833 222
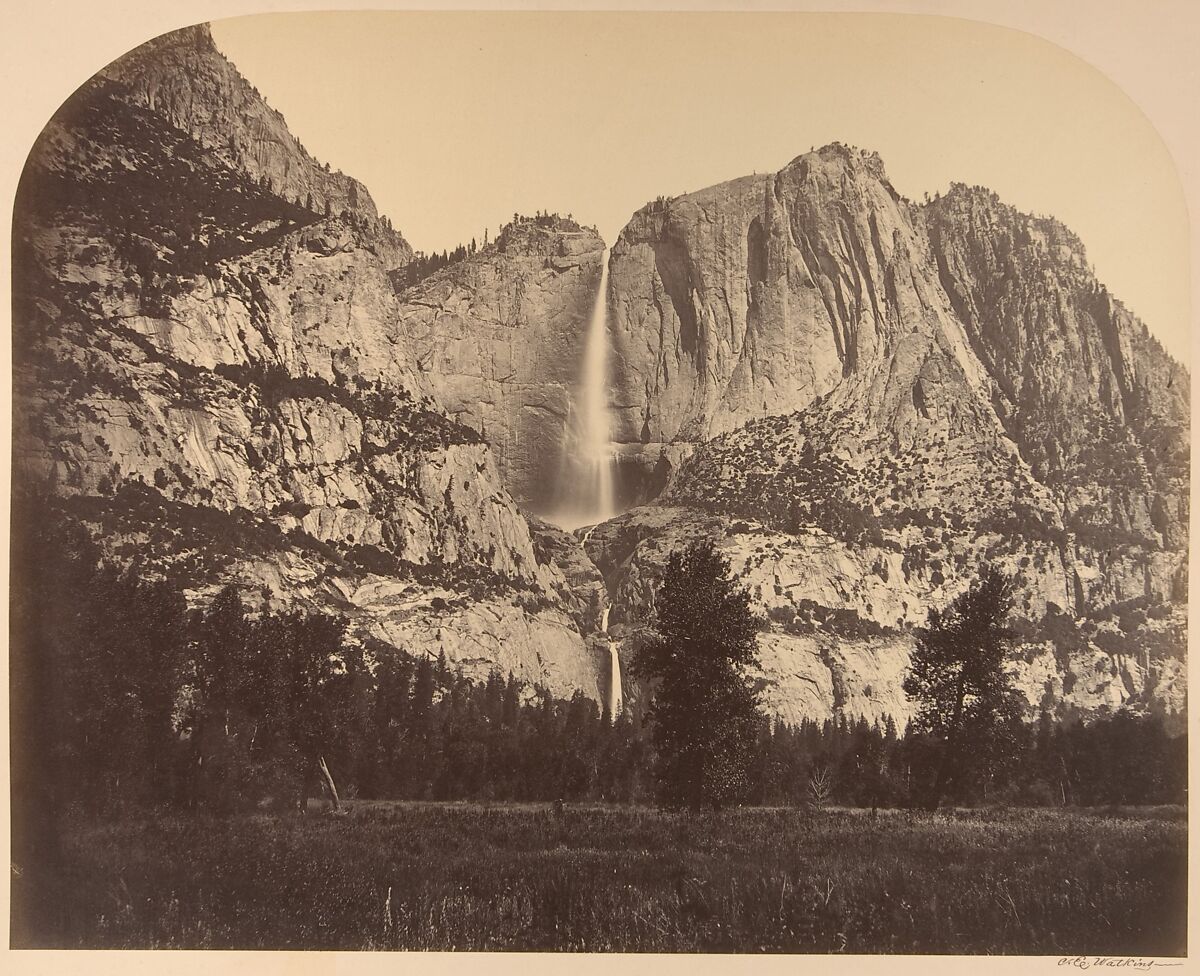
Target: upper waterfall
585 490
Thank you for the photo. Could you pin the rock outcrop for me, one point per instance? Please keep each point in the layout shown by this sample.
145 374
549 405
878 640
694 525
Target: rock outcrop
764 295
838 619
184 80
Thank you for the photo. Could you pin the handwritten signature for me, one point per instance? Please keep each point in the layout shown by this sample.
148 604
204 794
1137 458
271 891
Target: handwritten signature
1112 962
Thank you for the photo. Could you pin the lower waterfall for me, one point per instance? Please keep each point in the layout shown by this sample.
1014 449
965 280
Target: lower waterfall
614 700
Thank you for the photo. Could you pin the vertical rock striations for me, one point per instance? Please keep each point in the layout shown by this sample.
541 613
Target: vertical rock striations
226 370
217 379
875 398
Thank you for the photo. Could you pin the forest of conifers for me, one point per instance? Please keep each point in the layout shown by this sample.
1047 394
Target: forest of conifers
125 699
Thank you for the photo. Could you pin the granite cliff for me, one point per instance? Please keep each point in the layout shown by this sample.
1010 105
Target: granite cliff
216 375
865 399
499 337
227 372
182 79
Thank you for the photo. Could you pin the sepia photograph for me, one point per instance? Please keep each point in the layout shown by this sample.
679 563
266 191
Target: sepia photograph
691 482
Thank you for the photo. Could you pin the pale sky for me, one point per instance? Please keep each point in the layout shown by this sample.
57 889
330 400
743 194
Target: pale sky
455 121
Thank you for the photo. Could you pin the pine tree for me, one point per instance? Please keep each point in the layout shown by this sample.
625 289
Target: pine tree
311 675
959 680
703 713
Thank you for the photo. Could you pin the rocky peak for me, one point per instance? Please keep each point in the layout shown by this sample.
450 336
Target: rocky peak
865 400
838 161
547 235
1070 363
862 400
214 377
983 213
758 295
185 79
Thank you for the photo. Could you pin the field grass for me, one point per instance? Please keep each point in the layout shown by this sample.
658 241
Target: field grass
429 876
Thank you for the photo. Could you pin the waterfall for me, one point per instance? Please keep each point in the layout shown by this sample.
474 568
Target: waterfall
614 682
596 443
615 700
586 495
585 488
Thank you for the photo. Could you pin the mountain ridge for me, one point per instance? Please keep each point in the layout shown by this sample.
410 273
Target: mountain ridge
214 373
861 399
185 78
809 360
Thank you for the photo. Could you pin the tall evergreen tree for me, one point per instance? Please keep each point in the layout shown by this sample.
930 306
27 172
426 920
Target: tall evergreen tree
959 681
703 714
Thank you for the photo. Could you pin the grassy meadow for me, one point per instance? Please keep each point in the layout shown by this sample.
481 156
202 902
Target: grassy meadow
477 877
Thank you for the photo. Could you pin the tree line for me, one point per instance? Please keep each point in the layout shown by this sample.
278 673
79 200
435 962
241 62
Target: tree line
423 265
969 740
124 699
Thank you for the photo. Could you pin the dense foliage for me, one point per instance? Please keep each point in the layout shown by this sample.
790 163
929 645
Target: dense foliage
423 265
124 698
959 679
704 712
125 701
129 699
780 471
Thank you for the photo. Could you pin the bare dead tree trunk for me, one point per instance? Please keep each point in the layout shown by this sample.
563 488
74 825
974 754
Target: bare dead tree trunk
333 793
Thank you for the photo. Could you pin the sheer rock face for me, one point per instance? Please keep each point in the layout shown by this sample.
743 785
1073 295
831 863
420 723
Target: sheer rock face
1099 409
769 294
500 338
860 399
758 296
583 590
220 382
894 395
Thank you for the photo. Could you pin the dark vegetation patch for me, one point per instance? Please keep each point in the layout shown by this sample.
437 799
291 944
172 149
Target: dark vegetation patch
191 544
196 545
1132 629
810 617
153 193
410 425
781 472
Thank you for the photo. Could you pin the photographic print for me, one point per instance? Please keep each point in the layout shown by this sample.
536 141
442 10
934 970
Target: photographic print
600 482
